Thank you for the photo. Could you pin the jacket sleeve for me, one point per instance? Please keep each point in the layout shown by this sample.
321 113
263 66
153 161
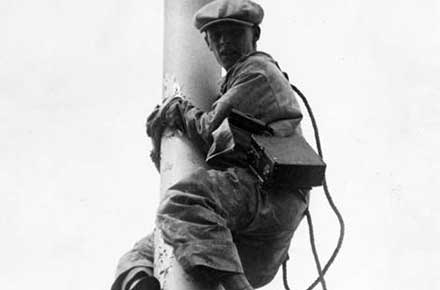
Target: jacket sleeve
199 125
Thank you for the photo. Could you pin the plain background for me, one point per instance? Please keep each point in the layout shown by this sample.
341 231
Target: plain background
77 79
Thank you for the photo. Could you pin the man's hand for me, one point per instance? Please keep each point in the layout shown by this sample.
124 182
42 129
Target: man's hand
172 114
168 115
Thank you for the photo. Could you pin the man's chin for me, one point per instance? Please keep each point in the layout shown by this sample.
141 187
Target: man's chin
227 65
228 62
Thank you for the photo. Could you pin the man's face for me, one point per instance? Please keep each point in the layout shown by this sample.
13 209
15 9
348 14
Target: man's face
230 41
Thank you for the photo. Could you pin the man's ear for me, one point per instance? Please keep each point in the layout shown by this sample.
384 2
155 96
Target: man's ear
207 40
257 32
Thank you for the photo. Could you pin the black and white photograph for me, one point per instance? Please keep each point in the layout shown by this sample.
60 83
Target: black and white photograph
219 145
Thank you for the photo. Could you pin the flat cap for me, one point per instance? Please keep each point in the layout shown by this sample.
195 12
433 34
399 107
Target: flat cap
244 12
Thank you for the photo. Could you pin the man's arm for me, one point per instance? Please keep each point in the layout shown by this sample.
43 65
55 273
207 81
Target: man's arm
178 113
251 93
199 125
243 95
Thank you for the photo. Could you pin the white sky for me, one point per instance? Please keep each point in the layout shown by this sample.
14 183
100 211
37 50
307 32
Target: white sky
77 79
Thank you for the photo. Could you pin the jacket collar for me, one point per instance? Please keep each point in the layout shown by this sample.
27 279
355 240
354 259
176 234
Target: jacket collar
224 80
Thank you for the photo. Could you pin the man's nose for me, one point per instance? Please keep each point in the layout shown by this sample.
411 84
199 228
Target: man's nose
224 39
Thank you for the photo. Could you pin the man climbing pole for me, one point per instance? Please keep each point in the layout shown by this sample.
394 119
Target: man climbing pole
221 222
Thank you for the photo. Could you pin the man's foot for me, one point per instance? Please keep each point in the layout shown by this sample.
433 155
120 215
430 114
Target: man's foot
235 282
146 283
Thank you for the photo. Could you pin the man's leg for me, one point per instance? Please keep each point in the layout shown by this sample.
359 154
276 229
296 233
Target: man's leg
198 216
270 233
259 224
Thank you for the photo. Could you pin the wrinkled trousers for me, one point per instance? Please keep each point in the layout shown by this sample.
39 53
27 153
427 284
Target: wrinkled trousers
223 220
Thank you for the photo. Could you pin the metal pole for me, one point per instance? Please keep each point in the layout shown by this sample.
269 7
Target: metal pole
189 66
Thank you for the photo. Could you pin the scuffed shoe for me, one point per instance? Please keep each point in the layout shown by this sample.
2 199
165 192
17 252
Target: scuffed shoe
146 283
